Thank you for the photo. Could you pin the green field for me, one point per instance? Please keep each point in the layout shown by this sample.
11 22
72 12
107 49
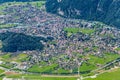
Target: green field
110 75
91 64
113 75
9 57
118 49
107 57
71 30
1 71
43 69
49 78
7 25
41 77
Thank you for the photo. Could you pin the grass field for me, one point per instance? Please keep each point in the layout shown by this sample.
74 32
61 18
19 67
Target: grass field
7 25
91 64
109 75
20 58
60 78
112 75
40 77
1 71
118 49
44 69
71 31
107 57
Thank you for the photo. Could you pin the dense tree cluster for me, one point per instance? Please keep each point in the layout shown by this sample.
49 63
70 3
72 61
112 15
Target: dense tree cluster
12 42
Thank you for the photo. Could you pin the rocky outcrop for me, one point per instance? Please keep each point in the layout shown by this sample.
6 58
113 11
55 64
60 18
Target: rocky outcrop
107 11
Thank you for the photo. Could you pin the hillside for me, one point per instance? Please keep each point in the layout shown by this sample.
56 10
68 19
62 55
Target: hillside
107 11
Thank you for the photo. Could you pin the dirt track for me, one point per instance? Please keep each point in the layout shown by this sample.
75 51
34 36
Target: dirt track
59 76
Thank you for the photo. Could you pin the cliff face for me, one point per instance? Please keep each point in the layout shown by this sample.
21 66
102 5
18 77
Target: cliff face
107 11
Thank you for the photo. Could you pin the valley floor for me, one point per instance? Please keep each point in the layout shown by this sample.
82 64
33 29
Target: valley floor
112 74
70 46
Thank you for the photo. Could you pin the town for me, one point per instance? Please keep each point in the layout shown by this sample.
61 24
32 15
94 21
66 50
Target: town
73 41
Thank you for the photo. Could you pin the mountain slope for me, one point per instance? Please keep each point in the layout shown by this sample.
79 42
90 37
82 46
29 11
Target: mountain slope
107 11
